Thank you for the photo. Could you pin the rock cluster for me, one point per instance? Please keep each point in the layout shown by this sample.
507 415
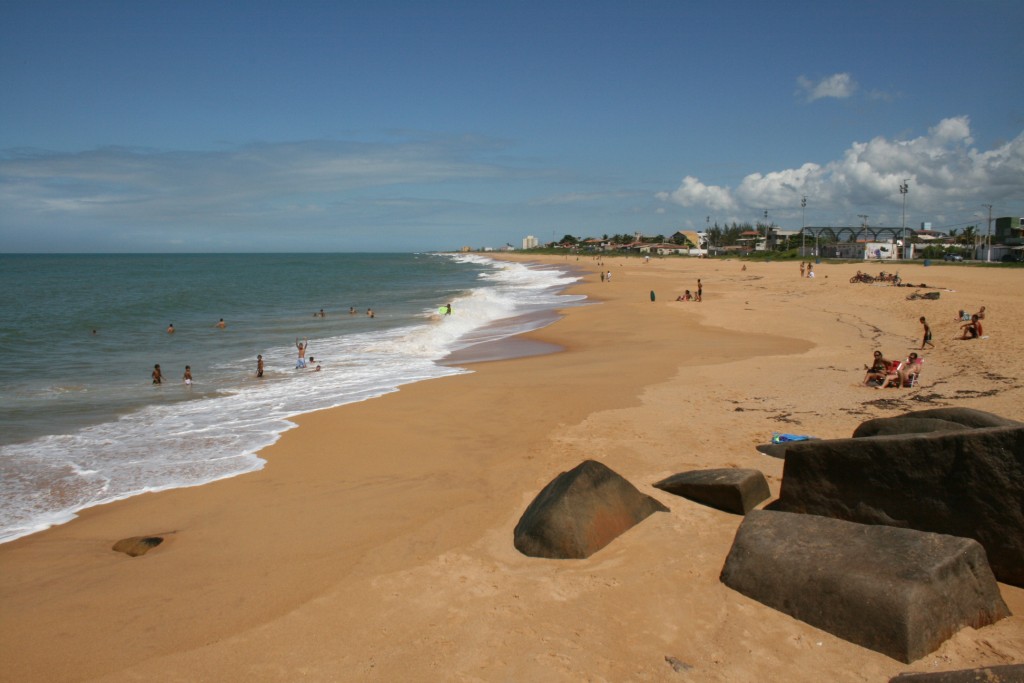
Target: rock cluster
904 530
964 478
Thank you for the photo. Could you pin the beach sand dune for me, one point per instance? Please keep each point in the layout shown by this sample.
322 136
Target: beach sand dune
377 542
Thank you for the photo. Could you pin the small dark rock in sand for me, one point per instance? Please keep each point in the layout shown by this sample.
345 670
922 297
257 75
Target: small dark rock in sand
897 591
137 545
677 664
728 489
580 512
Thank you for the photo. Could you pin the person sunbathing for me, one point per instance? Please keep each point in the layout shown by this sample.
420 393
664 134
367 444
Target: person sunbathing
876 372
893 375
911 368
685 297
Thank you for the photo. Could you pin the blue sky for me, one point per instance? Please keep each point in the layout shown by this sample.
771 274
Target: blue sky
402 126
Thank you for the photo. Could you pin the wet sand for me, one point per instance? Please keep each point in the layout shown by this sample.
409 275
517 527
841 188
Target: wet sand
377 542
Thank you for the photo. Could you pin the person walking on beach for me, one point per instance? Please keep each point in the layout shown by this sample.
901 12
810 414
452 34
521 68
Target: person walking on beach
187 377
927 338
259 365
803 266
700 291
301 346
157 375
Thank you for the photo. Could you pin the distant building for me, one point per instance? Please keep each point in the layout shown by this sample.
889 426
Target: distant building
529 242
1009 230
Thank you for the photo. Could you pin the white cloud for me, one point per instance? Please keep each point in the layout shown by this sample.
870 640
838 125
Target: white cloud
837 86
692 192
946 173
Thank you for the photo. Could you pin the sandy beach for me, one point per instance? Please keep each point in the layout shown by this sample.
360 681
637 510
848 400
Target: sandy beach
376 544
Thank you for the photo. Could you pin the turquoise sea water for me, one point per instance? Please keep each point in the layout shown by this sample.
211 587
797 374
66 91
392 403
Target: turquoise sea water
81 422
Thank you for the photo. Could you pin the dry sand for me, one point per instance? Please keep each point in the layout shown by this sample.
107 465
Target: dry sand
377 542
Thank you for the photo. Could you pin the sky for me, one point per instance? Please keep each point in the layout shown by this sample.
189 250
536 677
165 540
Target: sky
299 126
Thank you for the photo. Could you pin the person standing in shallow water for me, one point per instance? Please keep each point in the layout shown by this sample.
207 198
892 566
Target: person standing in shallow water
187 377
157 375
259 365
301 346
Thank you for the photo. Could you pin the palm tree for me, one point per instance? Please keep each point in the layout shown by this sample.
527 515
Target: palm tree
968 236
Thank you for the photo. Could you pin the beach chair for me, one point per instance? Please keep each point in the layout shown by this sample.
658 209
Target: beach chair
912 377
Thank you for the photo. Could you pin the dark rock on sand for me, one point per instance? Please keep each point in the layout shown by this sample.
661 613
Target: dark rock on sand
137 545
580 512
968 417
897 591
887 426
776 450
964 483
729 489
1005 673
933 420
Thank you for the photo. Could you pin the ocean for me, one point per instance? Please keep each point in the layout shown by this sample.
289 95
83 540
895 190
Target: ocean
82 424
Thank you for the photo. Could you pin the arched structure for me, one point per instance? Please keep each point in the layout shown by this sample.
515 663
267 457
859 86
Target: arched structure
853 234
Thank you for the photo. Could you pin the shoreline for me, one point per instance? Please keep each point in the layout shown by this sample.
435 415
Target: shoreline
376 541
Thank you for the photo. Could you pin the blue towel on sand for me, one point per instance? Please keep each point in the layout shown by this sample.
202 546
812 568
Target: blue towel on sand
783 438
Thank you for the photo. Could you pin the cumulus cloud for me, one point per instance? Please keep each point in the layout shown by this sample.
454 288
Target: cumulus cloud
837 86
692 192
944 169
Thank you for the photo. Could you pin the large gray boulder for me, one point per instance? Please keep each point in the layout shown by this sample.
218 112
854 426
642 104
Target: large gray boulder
580 512
730 489
964 483
896 591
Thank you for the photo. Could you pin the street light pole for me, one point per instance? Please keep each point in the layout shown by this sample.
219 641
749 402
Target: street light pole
864 231
988 255
803 226
904 188
766 229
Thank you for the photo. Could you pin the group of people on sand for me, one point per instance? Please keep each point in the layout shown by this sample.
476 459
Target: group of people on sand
971 327
806 269
883 373
696 295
